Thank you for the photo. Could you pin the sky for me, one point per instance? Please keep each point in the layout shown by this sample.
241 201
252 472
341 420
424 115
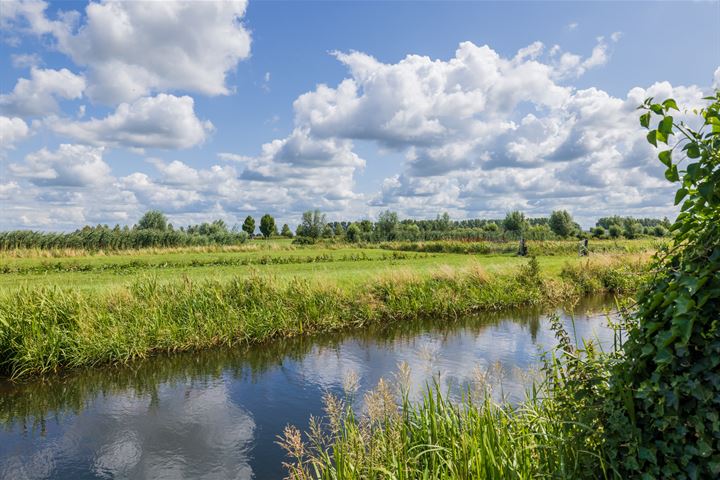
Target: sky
223 109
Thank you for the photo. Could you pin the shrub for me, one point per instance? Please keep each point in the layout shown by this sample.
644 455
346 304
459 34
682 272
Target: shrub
663 414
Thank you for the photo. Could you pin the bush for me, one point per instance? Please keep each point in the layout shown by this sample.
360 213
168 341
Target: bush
663 413
299 240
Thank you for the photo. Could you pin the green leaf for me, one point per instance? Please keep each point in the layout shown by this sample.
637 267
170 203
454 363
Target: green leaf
666 157
706 190
652 137
680 195
657 108
665 125
672 174
645 120
670 103
693 151
661 137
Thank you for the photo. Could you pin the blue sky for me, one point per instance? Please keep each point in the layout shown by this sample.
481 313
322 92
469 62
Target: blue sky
214 109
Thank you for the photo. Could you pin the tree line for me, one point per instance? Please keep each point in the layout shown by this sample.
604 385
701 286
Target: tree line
559 225
154 230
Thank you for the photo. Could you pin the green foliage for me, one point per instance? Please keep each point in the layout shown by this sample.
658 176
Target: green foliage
248 225
104 238
286 232
267 225
664 411
599 232
615 231
312 225
153 220
559 247
353 233
660 231
561 223
632 230
328 231
515 222
386 226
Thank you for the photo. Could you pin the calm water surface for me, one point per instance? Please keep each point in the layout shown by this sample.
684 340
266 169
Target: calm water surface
216 414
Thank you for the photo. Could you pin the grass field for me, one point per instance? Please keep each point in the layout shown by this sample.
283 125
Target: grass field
341 264
88 308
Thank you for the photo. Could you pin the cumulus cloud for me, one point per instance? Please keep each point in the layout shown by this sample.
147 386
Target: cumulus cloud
68 166
37 95
12 130
163 121
481 134
133 49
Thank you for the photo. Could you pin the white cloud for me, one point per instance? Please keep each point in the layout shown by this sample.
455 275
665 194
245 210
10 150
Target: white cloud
25 60
12 130
37 95
573 65
133 49
8 189
68 166
28 16
481 134
163 121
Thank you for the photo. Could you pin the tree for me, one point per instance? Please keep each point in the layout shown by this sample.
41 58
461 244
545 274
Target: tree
442 222
328 231
249 225
366 226
660 231
286 232
339 230
313 224
515 222
561 223
633 230
267 225
598 232
386 225
615 230
353 233
152 220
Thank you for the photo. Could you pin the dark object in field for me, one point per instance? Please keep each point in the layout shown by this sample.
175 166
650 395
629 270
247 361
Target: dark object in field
583 249
522 250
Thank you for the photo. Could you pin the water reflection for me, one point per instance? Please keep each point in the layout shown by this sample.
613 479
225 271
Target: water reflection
215 414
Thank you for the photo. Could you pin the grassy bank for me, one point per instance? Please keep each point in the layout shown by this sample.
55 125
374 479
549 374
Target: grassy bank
44 329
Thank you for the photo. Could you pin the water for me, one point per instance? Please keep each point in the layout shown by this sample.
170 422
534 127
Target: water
216 414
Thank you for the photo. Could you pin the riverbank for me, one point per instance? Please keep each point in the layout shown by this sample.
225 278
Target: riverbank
45 329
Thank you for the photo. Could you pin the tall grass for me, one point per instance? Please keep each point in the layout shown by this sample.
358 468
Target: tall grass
124 265
44 329
545 247
553 434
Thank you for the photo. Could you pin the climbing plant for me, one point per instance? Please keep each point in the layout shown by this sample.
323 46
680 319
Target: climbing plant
664 407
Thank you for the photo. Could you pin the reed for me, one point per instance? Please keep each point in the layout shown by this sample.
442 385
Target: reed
45 329
553 433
